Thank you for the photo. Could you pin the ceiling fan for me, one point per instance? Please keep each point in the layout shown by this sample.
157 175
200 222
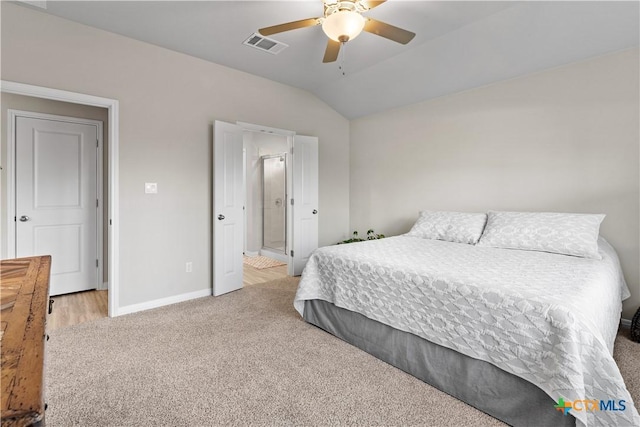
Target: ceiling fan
343 21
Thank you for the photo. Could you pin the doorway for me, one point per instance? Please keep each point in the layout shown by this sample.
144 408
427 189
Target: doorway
266 194
111 174
240 148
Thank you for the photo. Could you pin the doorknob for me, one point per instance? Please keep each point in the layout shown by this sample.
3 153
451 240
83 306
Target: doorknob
24 218
220 217
314 212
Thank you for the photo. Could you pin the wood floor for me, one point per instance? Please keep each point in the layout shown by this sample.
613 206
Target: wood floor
79 307
253 276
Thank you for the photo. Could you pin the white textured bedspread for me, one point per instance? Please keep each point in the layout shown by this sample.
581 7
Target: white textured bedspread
550 319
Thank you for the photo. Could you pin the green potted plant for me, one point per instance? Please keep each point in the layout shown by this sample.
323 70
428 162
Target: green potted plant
371 235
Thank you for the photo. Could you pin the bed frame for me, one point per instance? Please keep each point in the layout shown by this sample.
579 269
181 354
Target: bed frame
480 384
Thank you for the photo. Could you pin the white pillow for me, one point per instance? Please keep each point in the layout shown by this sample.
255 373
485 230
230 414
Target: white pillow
562 233
459 227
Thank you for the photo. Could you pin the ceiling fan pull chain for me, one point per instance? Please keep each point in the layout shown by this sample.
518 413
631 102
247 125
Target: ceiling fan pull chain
342 54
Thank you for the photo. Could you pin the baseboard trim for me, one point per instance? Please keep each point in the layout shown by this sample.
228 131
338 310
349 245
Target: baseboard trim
625 323
134 308
251 253
274 255
104 286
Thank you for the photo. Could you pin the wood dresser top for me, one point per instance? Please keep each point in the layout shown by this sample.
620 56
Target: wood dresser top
24 294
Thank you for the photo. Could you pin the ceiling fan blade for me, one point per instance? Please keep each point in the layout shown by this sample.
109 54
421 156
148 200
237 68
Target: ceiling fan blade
310 22
333 49
388 31
370 4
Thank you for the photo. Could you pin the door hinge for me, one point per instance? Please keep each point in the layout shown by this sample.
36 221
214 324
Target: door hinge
97 203
15 218
291 252
291 202
96 263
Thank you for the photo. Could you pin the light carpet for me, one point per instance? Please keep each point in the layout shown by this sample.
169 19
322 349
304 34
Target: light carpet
261 262
245 358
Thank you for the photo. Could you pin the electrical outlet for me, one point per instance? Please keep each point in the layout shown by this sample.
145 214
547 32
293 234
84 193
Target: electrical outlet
151 188
189 267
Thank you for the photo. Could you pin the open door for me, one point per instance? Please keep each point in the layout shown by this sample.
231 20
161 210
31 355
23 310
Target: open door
228 204
305 202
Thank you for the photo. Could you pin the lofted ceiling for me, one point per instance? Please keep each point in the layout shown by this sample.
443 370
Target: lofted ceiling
459 45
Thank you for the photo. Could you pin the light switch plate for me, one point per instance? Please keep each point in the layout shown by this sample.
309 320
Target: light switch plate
151 187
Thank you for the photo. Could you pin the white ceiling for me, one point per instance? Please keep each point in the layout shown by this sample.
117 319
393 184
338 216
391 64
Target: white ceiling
459 44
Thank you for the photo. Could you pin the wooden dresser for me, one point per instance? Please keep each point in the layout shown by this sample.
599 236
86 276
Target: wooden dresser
24 295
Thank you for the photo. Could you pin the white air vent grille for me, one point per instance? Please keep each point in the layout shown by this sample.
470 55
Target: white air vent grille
265 44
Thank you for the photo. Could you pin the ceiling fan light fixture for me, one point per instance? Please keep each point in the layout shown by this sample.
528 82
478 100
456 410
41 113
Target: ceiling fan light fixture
343 25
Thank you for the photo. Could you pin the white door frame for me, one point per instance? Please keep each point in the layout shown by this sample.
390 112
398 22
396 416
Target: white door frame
113 194
12 183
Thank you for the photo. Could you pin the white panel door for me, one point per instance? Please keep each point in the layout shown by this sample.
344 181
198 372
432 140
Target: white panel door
228 204
56 196
305 201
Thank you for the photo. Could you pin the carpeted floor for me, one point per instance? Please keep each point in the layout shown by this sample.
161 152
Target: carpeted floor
243 358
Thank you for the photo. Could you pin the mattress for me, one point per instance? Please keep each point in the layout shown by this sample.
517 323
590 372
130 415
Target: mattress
546 318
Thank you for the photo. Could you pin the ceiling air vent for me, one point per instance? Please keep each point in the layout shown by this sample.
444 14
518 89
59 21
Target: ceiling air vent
265 44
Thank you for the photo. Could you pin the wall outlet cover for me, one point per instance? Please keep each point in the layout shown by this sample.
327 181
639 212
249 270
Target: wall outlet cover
151 188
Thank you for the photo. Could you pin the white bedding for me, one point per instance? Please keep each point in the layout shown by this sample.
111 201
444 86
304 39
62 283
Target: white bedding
550 319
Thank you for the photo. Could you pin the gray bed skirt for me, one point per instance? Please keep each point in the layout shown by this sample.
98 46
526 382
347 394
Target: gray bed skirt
480 384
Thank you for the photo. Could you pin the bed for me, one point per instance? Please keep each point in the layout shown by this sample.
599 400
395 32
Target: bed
511 332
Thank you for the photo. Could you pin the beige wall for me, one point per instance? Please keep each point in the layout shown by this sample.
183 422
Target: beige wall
168 102
38 105
562 140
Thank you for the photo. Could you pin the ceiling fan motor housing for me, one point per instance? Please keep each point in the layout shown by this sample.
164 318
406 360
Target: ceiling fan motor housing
343 20
331 6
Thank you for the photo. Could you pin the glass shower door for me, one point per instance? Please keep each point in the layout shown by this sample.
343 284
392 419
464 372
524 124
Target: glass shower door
274 219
